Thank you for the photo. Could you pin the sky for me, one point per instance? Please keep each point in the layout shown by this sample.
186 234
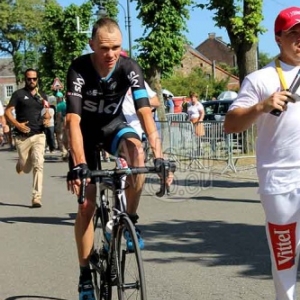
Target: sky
201 24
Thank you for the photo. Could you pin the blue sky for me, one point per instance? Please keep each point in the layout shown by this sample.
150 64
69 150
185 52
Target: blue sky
201 24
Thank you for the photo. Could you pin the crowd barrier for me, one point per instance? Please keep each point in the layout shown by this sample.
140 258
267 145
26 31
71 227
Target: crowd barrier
182 144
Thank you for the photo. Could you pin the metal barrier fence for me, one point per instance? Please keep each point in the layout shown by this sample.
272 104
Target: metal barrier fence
181 143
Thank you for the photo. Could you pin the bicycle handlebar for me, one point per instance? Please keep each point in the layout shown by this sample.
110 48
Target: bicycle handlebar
167 166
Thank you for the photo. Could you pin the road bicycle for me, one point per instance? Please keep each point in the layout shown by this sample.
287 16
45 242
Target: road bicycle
112 262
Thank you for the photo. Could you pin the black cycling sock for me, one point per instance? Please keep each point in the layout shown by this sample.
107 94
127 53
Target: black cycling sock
133 217
85 274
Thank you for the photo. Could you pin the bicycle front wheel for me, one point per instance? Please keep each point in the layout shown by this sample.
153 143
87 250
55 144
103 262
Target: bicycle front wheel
130 270
99 254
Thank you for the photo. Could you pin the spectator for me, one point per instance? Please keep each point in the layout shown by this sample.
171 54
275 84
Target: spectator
60 130
185 105
4 129
28 103
169 104
196 114
263 99
49 128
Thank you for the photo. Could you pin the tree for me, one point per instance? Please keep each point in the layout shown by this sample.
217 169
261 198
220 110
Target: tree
61 41
195 81
162 45
20 24
264 59
243 26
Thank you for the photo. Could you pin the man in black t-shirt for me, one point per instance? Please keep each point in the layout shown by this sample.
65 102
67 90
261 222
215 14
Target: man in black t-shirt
96 86
28 103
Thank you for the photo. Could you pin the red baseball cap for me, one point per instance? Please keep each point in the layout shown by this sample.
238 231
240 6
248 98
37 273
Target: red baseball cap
287 18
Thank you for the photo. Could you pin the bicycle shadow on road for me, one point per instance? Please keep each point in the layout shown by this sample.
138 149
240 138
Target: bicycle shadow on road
28 297
210 244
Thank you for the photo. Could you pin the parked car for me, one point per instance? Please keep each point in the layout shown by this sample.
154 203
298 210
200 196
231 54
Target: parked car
215 110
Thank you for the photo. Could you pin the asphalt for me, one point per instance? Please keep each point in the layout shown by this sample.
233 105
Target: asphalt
204 242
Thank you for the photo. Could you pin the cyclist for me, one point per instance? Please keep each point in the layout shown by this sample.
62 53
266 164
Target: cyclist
96 86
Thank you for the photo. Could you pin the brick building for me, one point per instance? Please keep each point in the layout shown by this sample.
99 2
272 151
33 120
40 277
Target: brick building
7 80
215 49
193 58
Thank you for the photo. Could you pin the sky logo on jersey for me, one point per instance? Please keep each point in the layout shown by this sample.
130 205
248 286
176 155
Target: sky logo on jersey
283 239
92 106
78 84
134 79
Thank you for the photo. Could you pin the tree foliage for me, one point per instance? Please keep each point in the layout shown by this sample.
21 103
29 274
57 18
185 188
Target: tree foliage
264 59
197 81
162 45
20 27
241 19
61 41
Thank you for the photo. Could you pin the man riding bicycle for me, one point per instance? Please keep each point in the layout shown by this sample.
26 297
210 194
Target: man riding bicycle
96 86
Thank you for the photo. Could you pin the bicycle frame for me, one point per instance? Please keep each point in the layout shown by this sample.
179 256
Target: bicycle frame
111 259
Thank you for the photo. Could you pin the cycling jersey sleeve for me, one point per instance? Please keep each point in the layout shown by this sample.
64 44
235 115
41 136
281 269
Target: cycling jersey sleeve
75 83
137 83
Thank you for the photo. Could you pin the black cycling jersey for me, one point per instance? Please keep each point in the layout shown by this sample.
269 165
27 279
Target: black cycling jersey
99 100
28 108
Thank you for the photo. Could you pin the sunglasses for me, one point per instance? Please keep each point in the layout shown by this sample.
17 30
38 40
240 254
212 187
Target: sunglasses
33 78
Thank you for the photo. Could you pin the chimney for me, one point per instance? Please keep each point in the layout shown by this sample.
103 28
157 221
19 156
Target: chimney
219 38
212 35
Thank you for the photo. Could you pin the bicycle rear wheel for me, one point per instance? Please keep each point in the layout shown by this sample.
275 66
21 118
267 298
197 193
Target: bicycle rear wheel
99 254
130 271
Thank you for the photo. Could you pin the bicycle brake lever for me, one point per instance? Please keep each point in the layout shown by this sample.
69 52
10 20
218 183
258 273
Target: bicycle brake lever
82 191
163 173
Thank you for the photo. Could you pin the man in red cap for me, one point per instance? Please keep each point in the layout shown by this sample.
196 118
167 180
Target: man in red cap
264 99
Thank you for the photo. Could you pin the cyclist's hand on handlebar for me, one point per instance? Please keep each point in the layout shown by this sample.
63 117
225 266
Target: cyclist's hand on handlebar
76 175
158 164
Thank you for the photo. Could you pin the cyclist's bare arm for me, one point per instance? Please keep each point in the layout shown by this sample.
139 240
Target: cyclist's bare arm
145 116
75 138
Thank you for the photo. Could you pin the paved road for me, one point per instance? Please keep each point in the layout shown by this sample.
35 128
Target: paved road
207 242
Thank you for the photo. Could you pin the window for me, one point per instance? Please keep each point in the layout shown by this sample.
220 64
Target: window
9 90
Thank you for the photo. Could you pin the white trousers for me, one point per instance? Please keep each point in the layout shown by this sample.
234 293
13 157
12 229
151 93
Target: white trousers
283 232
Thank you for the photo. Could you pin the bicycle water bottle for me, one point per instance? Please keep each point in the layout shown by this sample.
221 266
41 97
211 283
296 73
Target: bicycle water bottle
108 230
109 227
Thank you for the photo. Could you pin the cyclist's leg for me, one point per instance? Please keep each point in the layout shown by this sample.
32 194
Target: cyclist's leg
84 230
84 235
131 149
124 141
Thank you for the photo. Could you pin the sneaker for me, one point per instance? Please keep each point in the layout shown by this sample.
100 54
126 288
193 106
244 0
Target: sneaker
168 191
86 291
129 242
36 202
